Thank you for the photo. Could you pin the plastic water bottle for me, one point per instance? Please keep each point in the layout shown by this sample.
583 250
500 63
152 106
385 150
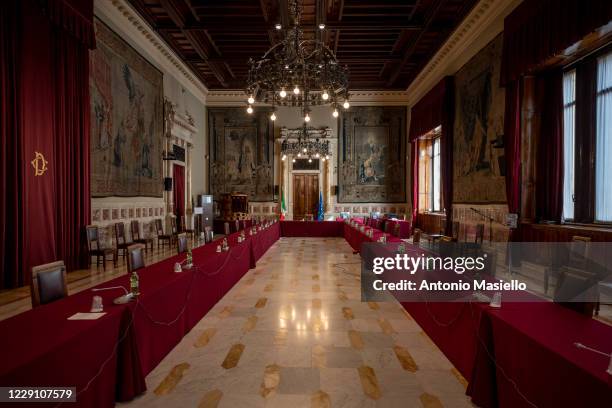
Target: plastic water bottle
134 284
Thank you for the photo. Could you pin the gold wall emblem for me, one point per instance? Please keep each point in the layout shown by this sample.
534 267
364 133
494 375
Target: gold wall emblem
39 163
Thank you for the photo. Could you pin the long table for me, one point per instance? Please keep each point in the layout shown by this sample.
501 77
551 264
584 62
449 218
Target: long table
312 228
42 348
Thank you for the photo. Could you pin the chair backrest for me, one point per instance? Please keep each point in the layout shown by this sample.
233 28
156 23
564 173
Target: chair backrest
120 233
579 251
173 225
159 228
397 229
479 234
237 225
135 229
182 224
48 283
181 243
455 231
226 228
93 237
208 234
416 236
136 259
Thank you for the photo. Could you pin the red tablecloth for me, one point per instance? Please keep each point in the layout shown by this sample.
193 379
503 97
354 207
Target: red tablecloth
45 349
263 240
405 229
312 228
355 237
533 343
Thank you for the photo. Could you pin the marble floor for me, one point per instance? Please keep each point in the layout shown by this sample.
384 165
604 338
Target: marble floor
293 333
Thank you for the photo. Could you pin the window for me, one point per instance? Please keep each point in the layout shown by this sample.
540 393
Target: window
603 140
569 116
587 140
430 183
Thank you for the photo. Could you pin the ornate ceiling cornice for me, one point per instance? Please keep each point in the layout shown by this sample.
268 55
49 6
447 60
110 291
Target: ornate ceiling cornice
237 97
480 26
123 16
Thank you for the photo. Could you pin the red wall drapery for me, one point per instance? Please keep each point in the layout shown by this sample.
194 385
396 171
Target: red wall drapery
436 108
178 193
46 200
512 145
549 194
539 29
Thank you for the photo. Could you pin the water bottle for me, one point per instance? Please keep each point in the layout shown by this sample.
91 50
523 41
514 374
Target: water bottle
134 284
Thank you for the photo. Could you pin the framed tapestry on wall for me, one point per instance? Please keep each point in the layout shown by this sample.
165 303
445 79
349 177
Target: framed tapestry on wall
372 155
478 154
241 152
126 119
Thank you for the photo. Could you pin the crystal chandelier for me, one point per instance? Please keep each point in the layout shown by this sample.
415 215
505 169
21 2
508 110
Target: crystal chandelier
297 72
307 146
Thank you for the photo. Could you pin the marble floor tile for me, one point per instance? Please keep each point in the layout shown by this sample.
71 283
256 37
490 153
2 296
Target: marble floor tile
294 333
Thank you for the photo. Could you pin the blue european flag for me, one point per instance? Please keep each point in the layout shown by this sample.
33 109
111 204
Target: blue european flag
320 213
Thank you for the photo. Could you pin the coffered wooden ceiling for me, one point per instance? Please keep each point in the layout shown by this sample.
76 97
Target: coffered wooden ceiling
385 43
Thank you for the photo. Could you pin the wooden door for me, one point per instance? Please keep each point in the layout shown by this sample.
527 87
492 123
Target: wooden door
305 195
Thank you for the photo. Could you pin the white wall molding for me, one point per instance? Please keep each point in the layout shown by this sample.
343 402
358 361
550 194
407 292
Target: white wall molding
237 97
121 14
480 26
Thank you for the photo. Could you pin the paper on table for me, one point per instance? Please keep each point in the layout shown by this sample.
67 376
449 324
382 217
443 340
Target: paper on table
86 316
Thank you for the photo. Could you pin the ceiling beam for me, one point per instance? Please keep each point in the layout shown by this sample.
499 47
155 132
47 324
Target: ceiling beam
433 11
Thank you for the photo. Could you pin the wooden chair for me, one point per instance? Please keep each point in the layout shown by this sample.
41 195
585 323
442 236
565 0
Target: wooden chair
95 248
188 231
236 225
136 237
455 231
121 242
479 234
136 259
161 237
397 230
416 236
174 230
48 283
226 228
182 245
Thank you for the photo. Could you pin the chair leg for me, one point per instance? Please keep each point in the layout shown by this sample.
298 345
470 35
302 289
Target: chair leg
104 262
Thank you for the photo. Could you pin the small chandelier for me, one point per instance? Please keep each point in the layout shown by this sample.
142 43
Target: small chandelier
307 146
297 72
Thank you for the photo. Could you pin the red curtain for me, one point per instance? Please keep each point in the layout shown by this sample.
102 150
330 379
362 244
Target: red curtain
436 108
11 175
414 181
178 174
45 150
539 29
549 192
512 145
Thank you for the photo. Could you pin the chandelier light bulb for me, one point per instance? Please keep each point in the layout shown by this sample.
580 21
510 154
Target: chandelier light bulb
327 156
335 113
273 116
305 150
309 160
251 99
278 26
299 154
307 118
323 159
321 26
296 90
346 104
284 157
250 109
325 95
293 160
317 155
283 93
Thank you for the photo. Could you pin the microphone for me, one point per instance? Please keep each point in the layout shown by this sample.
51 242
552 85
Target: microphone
121 300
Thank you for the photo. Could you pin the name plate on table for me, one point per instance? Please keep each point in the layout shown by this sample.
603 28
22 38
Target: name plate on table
86 316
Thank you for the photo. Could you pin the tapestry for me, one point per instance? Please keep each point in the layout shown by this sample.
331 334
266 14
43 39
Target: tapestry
241 152
478 175
126 120
372 155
